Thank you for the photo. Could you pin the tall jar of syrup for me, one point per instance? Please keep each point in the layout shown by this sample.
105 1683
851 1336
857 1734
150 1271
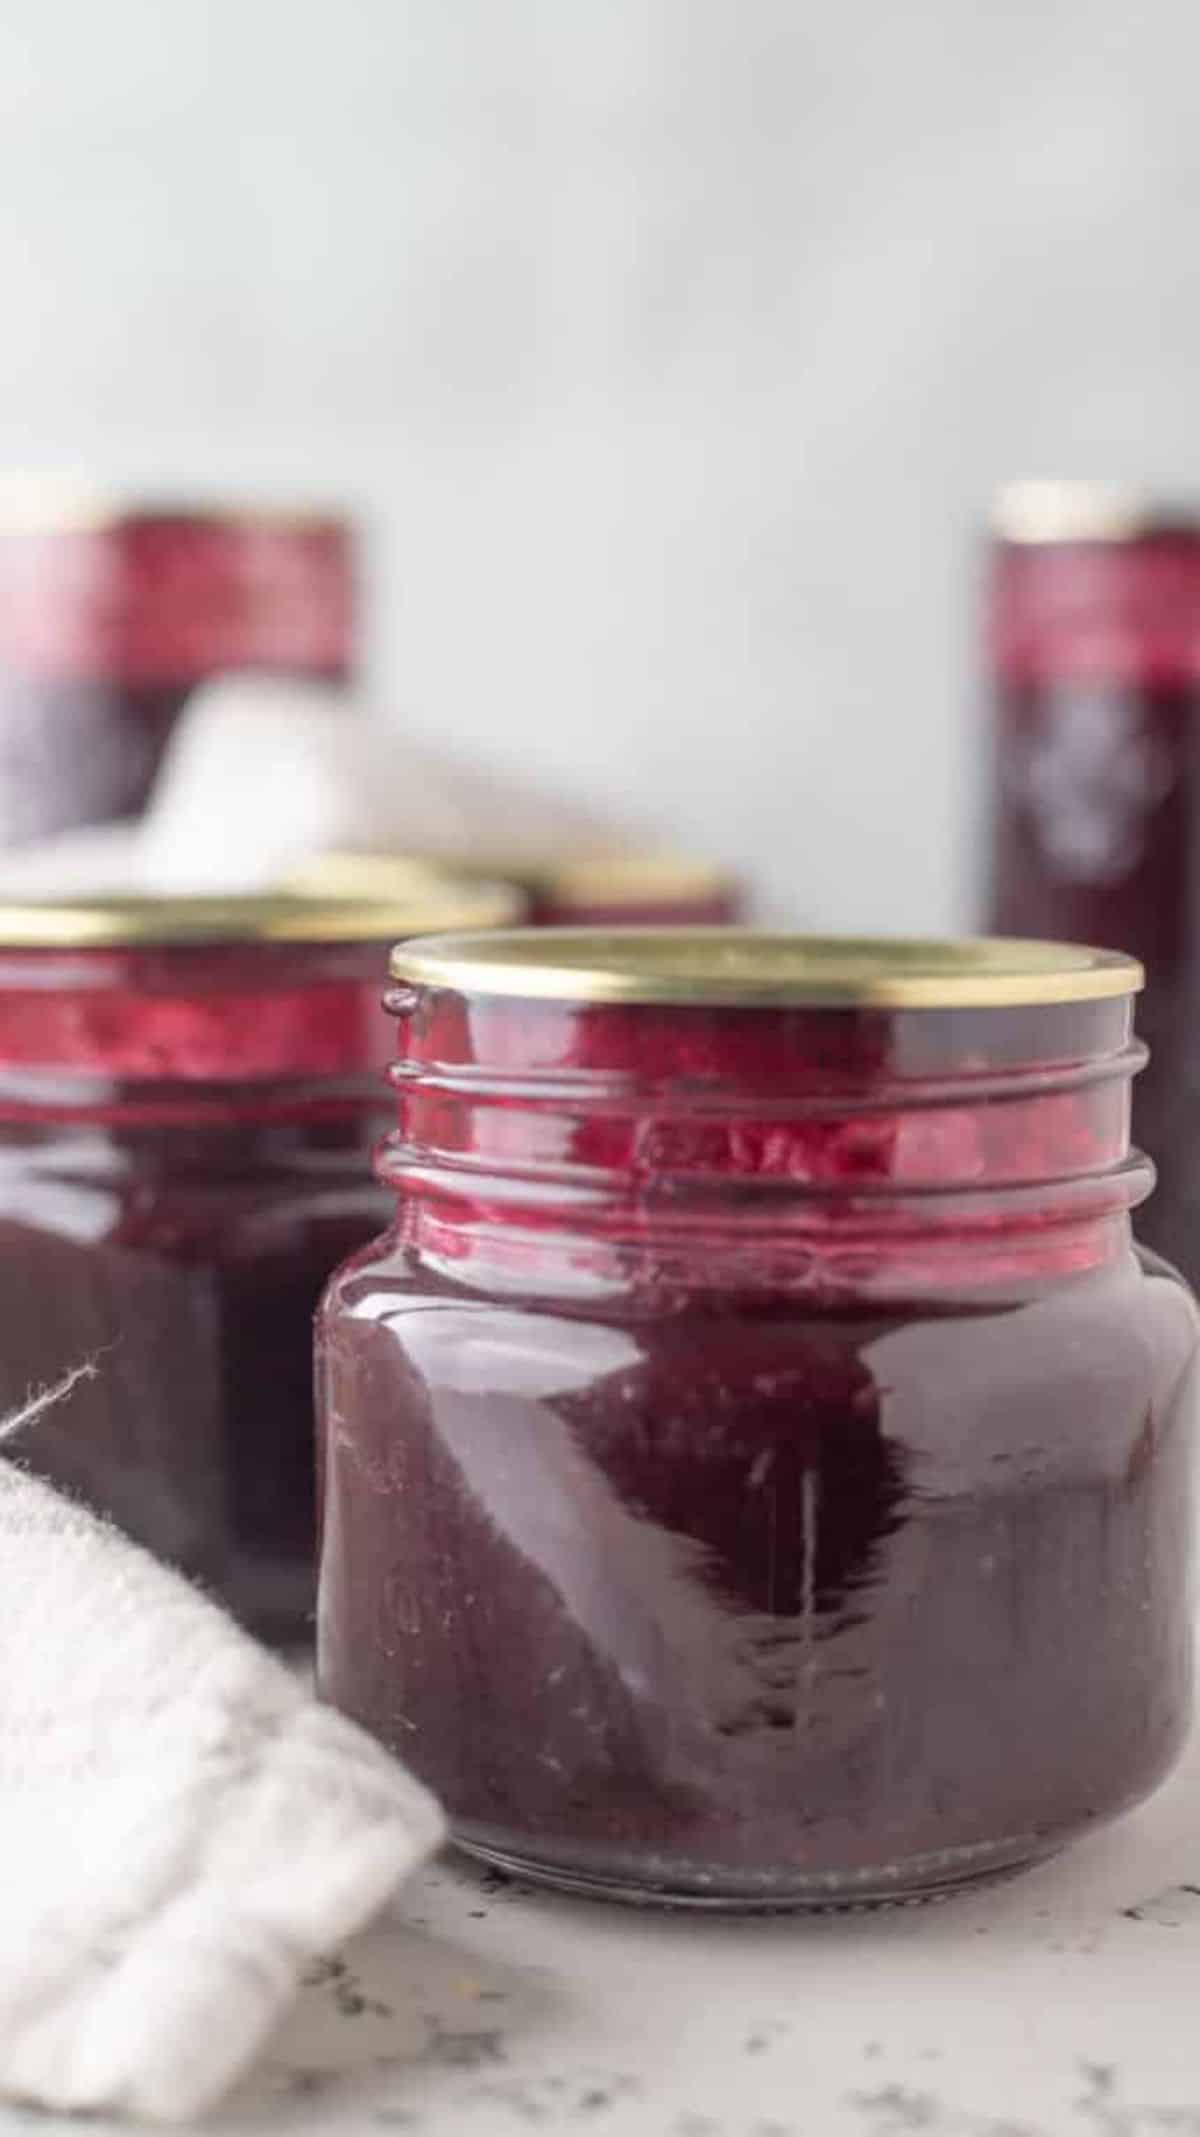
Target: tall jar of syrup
1094 651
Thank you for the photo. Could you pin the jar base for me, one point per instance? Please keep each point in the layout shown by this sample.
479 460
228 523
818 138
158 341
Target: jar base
919 1882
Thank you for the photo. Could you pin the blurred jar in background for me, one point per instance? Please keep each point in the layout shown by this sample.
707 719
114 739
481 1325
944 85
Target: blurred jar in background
1094 644
112 612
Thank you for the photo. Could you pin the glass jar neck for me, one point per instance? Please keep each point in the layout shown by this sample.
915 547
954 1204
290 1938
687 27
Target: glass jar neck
842 1151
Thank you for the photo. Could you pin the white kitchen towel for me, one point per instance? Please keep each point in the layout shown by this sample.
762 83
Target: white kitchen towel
338 778
182 1826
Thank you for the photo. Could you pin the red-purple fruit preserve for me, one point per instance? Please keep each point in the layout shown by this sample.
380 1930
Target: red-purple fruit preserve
757 1463
189 1093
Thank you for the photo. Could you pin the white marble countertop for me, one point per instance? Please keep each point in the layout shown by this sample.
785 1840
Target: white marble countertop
1065 2003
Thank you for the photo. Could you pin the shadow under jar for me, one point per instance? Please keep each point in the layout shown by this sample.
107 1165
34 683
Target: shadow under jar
757 1464
189 1092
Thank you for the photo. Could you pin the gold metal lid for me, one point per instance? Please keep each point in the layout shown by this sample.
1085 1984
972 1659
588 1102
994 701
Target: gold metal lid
617 879
129 921
376 875
746 967
576 881
1047 512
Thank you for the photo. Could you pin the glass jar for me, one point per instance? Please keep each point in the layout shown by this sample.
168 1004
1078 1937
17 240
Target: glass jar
593 890
111 615
188 1098
1095 833
757 1463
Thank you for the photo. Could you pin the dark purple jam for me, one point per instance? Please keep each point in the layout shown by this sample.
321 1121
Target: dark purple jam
185 1137
186 1266
754 1473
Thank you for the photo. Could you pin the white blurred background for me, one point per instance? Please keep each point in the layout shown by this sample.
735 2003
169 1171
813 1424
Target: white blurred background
672 345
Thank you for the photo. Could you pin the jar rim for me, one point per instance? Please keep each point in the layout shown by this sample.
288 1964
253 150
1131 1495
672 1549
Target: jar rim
751 967
133 920
1042 513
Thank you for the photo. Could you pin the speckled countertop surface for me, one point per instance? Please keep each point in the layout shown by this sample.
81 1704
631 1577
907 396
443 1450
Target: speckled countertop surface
1063 2004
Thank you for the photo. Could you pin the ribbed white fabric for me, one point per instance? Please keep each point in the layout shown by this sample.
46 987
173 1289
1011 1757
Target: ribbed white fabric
182 1827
